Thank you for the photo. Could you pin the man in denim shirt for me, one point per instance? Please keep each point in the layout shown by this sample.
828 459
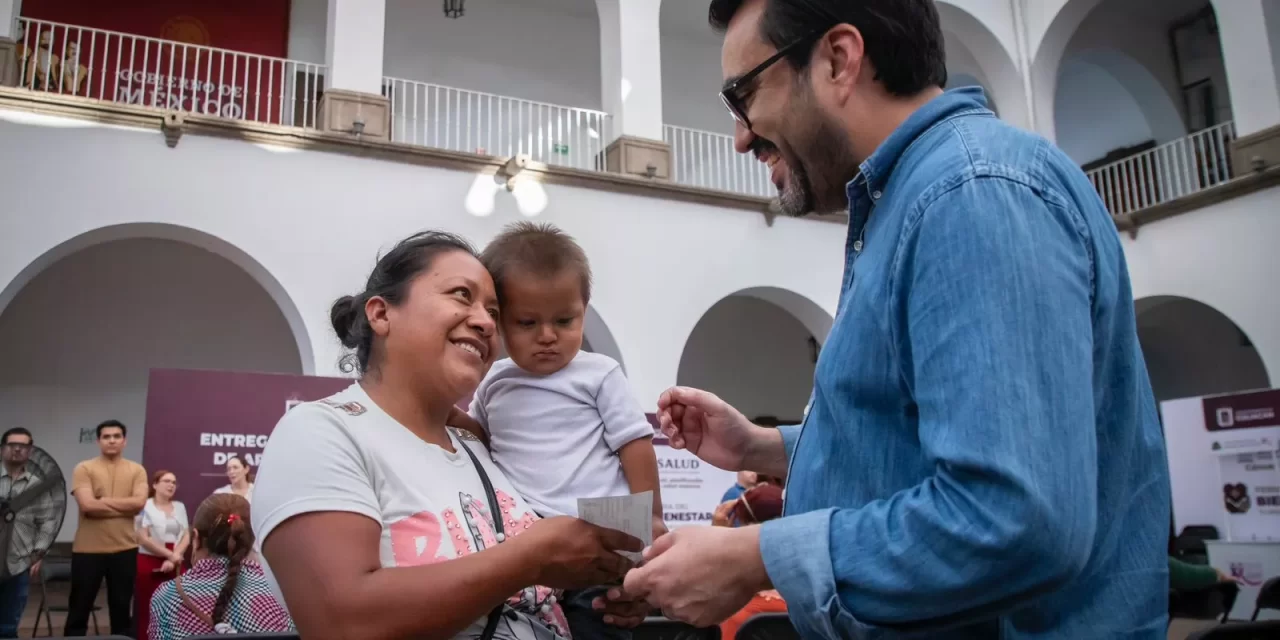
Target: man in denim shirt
982 456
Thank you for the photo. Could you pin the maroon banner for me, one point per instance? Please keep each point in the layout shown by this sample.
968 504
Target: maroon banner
1242 410
196 420
181 63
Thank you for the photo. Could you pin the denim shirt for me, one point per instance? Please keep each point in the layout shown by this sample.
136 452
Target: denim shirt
982 457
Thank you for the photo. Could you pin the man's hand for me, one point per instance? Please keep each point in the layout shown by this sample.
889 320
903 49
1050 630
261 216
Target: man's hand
706 426
701 575
720 518
35 567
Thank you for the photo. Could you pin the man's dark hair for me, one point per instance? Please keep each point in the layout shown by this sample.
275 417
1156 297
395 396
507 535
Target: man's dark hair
107 424
903 38
16 431
539 249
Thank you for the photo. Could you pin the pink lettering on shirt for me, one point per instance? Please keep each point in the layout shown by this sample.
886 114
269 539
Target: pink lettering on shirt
416 540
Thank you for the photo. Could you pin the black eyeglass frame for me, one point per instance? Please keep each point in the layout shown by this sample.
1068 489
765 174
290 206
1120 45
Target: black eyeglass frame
733 100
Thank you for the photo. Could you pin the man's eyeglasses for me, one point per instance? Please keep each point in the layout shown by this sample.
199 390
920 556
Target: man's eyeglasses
733 94
18 446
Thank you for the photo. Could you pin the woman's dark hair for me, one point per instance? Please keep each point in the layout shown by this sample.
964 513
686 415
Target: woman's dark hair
903 38
249 473
155 479
222 523
390 280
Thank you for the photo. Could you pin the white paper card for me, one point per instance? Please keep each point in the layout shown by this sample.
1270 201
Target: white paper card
632 515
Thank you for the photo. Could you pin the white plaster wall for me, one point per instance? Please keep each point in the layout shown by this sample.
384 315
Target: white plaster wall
1193 350
81 337
317 241
1095 113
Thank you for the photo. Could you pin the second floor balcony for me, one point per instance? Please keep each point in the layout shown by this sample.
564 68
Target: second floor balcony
475 85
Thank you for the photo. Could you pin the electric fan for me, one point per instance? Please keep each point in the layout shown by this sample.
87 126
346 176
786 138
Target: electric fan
16 511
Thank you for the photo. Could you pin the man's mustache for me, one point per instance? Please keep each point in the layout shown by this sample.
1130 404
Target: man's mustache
760 146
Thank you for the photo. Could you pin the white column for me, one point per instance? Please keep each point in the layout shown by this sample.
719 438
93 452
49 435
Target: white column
1250 35
353 45
631 66
9 12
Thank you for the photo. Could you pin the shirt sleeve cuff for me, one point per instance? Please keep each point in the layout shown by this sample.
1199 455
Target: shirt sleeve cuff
797 556
790 436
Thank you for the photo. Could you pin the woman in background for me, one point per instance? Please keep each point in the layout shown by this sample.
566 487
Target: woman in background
223 591
240 475
162 541
759 504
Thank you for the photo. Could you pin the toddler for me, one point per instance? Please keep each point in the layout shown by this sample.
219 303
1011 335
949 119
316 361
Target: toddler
560 422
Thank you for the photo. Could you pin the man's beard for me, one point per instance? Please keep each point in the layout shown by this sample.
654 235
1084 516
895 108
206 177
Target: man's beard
824 148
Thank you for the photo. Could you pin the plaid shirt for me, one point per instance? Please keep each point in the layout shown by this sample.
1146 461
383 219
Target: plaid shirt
34 526
253 608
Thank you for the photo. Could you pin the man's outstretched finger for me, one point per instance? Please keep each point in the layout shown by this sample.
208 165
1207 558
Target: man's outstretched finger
659 546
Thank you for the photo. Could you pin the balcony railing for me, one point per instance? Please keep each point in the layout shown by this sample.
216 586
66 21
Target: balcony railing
119 67
473 122
708 160
1167 172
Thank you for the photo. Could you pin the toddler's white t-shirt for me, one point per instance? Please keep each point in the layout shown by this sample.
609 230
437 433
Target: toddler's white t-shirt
557 436
344 453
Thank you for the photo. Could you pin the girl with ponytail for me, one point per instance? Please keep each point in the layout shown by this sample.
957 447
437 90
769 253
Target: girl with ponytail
224 591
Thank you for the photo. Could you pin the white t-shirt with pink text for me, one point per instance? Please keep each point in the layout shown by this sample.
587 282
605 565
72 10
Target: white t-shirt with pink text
344 453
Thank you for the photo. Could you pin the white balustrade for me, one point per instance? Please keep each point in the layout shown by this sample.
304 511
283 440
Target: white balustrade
708 160
1167 172
164 74
431 115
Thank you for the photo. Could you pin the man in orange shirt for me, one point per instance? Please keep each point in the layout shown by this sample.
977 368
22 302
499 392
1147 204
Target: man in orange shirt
110 491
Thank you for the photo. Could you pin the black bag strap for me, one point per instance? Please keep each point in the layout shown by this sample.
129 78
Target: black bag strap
491 626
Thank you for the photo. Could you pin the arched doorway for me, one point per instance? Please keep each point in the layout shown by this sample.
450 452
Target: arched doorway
81 335
757 349
1192 349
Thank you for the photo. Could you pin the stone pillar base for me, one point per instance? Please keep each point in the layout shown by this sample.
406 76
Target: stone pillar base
640 157
8 62
341 109
1259 146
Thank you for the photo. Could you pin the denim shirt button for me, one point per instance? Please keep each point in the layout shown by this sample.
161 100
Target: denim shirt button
875 195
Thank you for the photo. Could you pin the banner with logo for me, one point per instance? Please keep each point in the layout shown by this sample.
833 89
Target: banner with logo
190 56
1222 463
691 489
197 420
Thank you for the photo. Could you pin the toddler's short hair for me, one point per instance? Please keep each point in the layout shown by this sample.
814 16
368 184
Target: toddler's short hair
541 249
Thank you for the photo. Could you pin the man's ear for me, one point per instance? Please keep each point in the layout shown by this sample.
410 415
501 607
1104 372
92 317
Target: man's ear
840 57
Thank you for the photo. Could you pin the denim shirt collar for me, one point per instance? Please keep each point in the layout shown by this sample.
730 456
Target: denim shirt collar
873 174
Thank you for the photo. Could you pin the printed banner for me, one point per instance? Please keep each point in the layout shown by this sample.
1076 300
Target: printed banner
179 61
197 420
691 489
1251 495
1242 410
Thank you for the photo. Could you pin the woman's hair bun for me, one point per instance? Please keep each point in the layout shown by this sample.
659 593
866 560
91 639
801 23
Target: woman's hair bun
343 316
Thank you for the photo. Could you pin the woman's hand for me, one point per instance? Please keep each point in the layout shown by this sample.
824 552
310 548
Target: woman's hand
168 567
622 609
175 557
720 517
568 553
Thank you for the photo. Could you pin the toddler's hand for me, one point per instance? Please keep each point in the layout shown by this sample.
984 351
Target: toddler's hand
659 528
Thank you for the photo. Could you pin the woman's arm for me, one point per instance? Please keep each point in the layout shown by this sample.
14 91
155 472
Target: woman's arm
349 594
146 542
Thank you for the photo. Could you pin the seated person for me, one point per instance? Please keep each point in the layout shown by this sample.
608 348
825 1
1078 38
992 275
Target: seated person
222 592
759 504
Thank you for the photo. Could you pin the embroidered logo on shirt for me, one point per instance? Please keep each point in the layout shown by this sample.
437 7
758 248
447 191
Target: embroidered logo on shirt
350 408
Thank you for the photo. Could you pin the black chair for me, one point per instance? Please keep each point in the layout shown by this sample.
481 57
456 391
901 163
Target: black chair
1268 630
768 626
1268 597
1189 545
1210 603
660 628
53 572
